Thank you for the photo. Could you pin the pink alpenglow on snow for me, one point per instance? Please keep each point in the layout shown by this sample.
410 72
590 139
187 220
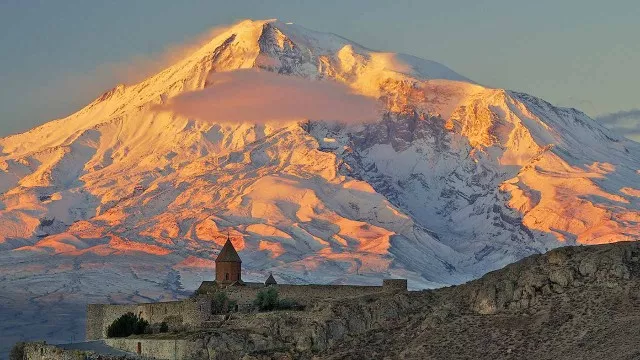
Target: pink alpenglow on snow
250 96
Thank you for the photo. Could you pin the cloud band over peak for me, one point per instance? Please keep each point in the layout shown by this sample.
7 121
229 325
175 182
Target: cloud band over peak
252 96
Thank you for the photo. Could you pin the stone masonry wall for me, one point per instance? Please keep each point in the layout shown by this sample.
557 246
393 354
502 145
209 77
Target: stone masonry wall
154 348
42 351
177 314
191 313
95 319
305 294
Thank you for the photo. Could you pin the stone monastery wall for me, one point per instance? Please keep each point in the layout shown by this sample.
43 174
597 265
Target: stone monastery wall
303 294
154 348
191 313
42 351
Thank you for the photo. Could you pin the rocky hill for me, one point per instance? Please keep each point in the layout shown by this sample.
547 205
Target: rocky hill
570 303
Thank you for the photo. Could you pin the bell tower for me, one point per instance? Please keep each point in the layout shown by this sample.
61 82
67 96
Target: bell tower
228 265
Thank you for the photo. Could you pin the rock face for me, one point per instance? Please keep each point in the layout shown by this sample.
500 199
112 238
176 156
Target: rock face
523 285
570 303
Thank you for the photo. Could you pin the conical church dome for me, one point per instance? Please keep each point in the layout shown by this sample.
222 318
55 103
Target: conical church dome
270 280
228 253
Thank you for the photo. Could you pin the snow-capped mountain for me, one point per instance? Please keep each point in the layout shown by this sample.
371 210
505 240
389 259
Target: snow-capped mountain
130 199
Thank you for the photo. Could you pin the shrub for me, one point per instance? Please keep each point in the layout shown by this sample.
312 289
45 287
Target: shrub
126 325
164 327
267 299
17 351
219 303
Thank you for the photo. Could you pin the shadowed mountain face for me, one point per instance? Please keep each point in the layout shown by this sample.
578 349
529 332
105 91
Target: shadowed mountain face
130 198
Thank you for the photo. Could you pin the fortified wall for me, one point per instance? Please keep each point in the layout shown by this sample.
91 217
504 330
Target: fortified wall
189 313
42 351
192 313
303 294
176 349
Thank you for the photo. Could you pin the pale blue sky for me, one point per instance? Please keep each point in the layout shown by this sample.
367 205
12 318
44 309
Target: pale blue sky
581 53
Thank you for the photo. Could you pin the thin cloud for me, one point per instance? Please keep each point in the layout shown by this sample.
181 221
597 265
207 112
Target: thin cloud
76 89
134 69
260 97
626 122
620 116
142 66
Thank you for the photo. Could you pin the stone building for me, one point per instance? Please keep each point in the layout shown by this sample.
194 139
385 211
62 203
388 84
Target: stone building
270 280
228 265
196 312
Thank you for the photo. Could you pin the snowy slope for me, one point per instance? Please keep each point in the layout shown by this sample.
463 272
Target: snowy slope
122 202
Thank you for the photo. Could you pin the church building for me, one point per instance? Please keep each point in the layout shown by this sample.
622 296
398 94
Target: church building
228 266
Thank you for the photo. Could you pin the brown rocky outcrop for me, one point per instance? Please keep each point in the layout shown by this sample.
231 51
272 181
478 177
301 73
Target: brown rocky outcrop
526 283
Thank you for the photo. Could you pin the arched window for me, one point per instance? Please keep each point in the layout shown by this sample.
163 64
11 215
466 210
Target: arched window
226 276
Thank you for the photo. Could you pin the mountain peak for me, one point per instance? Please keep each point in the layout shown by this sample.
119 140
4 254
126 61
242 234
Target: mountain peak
268 45
445 149
288 48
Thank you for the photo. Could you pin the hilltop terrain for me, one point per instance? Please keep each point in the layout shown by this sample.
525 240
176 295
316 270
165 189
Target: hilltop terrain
571 303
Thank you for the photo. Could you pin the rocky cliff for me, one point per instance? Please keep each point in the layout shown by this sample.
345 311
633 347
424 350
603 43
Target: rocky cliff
570 303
